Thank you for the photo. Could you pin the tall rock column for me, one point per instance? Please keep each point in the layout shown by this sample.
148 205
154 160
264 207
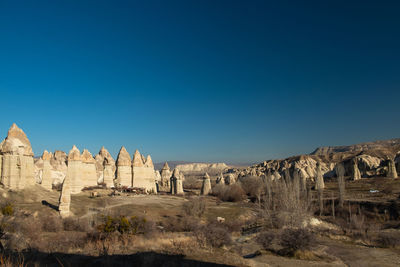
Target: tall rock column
206 186
47 181
356 171
176 183
89 174
17 164
105 166
108 174
65 197
165 178
124 169
74 171
319 185
392 172
143 175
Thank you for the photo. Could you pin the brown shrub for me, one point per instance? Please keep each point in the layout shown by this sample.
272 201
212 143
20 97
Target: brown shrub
77 224
265 239
253 186
388 240
181 224
51 223
296 239
214 235
196 207
232 193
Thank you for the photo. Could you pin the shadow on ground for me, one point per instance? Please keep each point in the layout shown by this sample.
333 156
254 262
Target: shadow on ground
36 258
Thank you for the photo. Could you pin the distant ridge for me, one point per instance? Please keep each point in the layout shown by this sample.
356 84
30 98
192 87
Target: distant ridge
382 144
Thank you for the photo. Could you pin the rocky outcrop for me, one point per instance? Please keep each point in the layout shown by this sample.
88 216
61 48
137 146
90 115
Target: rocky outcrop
65 197
164 184
392 172
46 177
16 160
358 147
105 166
124 168
206 186
319 184
143 175
176 183
74 174
202 167
355 171
88 169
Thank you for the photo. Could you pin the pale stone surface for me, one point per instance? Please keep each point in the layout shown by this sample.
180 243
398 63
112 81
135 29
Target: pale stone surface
137 159
16 164
319 185
105 166
143 175
220 179
47 180
392 173
176 183
206 186
164 184
74 171
88 171
65 197
355 170
201 167
124 168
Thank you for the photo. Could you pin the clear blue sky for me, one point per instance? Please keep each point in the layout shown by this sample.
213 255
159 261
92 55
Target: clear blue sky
233 81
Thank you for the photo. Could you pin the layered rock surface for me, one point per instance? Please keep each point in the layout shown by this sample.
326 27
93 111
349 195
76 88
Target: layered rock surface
16 160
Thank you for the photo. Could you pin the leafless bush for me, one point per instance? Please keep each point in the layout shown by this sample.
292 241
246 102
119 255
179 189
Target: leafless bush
265 239
213 234
76 224
196 207
296 239
181 224
51 223
232 193
388 240
253 187
283 207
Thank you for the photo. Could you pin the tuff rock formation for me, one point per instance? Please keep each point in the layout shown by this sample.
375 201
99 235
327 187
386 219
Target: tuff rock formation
176 183
105 166
143 174
65 197
124 168
355 171
392 172
319 184
202 167
74 171
88 169
164 184
206 186
16 160
47 179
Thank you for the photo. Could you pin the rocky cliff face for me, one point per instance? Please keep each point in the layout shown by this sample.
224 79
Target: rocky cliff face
202 167
371 159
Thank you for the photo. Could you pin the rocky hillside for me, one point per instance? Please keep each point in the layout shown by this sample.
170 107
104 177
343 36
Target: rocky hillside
377 145
371 159
202 167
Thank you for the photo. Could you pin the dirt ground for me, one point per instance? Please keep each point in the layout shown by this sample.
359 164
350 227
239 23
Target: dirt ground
334 252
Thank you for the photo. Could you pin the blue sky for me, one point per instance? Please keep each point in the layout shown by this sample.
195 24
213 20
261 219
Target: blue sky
233 81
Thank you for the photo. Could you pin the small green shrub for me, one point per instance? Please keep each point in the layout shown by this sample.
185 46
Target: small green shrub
7 209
